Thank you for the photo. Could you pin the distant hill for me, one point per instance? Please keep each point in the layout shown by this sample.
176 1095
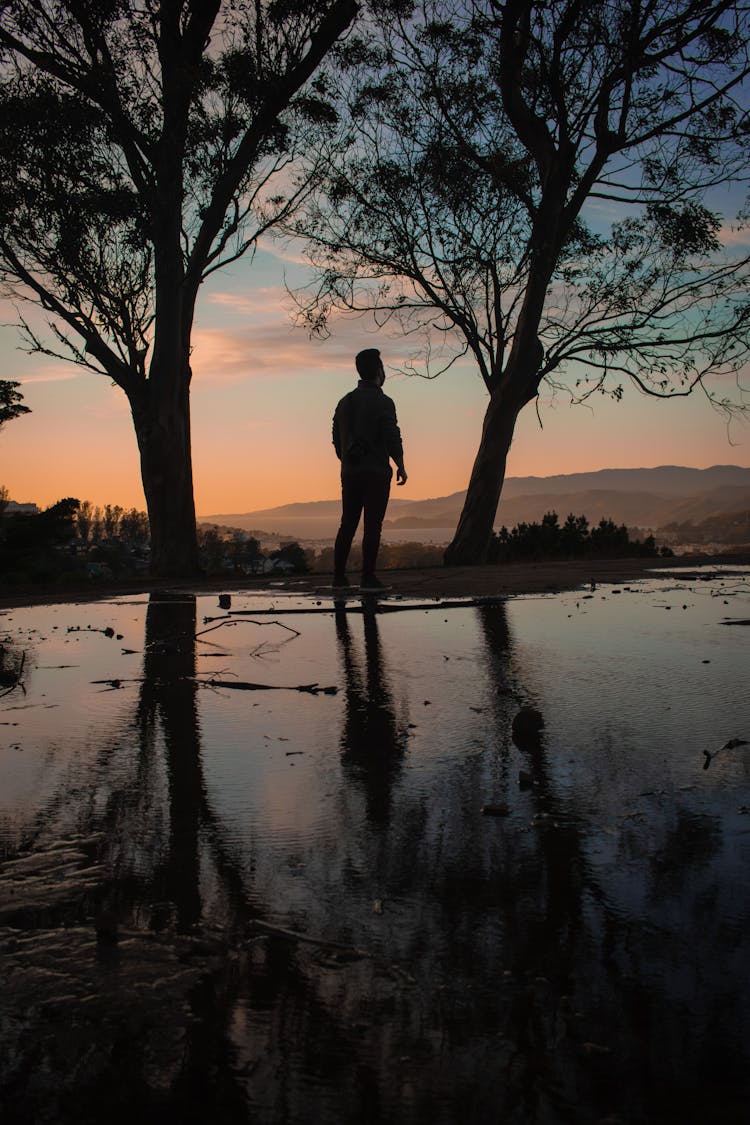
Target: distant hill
646 498
669 480
730 529
636 509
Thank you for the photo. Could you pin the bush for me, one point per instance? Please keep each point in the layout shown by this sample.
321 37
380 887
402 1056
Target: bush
574 540
39 545
294 555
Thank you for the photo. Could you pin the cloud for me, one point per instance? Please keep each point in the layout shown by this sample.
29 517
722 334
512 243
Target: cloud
284 251
266 342
261 304
733 236
258 302
228 355
62 374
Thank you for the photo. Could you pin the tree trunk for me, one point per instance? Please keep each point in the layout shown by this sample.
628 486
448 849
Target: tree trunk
162 426
474 532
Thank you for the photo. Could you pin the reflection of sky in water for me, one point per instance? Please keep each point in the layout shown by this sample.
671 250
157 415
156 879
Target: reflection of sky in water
631 692
54 726
618 874
638 683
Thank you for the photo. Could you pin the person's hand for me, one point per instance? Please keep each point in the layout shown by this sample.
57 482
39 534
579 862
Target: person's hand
401 477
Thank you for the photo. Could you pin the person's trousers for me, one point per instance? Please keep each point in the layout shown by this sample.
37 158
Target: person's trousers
368 493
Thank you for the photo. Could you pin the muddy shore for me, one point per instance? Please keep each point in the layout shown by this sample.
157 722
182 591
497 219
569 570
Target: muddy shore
461 581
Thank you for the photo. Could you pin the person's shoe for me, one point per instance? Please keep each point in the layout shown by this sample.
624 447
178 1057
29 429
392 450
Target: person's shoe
371 584
340 582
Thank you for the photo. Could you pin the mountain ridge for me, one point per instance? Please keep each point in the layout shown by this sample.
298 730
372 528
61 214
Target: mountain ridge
646 498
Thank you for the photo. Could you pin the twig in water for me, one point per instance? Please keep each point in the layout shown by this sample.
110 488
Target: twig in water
234 621
294 935
243 685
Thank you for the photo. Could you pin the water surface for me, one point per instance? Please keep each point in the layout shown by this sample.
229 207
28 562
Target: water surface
292 769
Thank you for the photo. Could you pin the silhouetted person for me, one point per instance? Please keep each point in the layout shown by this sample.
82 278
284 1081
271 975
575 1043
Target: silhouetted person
367 438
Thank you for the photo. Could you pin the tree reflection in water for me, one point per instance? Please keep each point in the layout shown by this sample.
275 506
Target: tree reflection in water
543 967
143 1026
170 848
627 957
168 697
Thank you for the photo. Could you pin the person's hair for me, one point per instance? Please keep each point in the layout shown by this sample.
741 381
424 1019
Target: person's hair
368 363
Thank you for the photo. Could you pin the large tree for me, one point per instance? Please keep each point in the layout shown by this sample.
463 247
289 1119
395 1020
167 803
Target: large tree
141 144
540 183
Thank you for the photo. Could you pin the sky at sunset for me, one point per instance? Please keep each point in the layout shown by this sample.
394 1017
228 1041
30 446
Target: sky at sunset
262 399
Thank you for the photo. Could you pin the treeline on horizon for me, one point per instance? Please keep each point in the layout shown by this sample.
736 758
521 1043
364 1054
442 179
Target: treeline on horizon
73 540
574 539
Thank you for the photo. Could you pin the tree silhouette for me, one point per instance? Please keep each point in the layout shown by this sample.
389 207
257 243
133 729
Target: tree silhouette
11 405
144 146
535 185
38 542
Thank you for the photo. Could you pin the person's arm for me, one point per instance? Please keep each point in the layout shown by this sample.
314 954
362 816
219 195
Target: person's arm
395 445
336 434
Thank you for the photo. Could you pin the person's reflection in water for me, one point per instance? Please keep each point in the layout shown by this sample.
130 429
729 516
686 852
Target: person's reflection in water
372 742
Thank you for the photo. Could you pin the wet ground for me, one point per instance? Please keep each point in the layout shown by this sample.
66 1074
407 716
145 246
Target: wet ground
281 860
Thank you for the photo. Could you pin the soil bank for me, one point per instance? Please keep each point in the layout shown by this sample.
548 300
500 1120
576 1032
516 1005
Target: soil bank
551 576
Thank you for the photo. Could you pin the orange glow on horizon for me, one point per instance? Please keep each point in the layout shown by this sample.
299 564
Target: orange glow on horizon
267 443
262 400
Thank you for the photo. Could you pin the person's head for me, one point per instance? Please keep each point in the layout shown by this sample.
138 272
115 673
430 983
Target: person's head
370 366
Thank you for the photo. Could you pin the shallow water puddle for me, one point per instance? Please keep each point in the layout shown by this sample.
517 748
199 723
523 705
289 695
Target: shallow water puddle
264 827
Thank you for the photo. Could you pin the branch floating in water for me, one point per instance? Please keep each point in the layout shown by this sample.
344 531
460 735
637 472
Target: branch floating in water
243 685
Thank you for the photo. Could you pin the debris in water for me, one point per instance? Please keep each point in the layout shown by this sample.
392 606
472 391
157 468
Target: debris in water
241 685
527 722
596 1049
108 632
732 744
495 810
11 670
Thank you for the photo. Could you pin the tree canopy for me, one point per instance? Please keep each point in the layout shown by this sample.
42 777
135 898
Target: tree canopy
543 187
